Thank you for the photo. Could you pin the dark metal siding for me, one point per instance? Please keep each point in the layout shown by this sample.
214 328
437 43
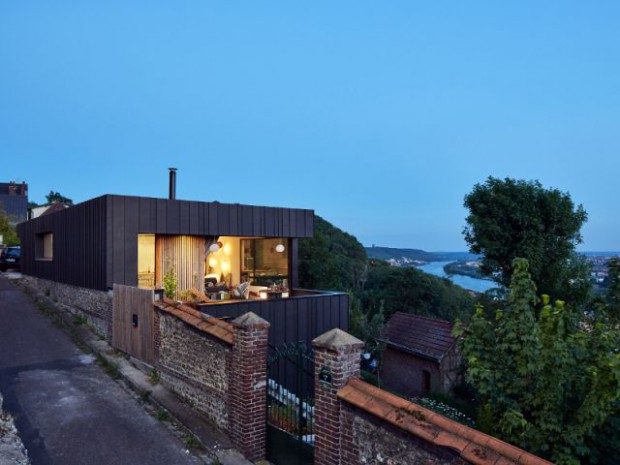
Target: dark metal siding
300 318
79 247
130 216
95 242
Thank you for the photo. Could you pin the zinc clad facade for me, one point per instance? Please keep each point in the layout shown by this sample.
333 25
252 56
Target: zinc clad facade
95 242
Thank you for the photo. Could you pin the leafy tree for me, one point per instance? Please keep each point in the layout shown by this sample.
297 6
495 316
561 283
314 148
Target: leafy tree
612 297
54 197
332 259
410 290
7 231
546 383
513 218
366 325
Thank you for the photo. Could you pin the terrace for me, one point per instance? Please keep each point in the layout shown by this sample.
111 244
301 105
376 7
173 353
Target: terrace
235 275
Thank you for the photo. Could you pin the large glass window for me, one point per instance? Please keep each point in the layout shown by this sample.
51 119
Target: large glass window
146 261
264 261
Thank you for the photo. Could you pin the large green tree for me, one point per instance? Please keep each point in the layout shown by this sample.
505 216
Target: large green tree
546 382
511 218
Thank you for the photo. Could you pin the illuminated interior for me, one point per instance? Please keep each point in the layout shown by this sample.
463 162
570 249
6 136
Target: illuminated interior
264 262
146 261
215 266
222 262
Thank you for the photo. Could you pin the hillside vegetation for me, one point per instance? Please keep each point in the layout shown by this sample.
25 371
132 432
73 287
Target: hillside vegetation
334 259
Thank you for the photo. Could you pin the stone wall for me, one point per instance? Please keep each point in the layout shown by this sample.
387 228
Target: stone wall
220 368
373 441
194 365
360 424
95 306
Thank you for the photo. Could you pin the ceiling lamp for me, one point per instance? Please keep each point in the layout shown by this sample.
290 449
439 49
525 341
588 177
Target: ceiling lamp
215 247
280 248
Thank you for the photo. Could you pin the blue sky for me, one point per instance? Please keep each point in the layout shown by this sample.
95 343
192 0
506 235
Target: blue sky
380 116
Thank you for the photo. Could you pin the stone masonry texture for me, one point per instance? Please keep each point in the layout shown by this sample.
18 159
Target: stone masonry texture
95 306
194 365
372 441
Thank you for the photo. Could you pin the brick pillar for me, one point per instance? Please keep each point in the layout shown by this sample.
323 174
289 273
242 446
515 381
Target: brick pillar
336 361
247 385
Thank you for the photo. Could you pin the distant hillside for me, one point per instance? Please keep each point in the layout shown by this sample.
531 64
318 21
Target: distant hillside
403 257
334 259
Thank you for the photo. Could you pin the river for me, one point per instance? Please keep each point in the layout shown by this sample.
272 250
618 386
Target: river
466 282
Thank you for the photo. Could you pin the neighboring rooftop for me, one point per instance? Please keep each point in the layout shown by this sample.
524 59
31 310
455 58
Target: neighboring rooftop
41 210
419 335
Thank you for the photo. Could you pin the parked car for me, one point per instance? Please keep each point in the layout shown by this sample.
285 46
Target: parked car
10 258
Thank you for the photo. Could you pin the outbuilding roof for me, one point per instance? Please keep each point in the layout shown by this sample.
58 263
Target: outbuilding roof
419 335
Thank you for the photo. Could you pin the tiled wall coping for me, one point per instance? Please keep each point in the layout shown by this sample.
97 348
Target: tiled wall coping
475 447
208 324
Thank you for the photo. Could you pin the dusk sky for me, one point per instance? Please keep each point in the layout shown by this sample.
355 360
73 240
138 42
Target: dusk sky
380 116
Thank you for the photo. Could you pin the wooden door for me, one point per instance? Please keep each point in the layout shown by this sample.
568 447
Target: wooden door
132 322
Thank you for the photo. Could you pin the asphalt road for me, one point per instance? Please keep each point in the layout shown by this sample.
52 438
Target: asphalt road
66 409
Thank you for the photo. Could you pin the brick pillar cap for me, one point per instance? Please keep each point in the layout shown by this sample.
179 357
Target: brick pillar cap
336 339
248 320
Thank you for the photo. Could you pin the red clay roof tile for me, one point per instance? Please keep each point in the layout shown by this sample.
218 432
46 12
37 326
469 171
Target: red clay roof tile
205 323
473 446
419 334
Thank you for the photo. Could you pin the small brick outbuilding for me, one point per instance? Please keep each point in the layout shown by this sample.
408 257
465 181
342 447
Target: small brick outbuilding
421 355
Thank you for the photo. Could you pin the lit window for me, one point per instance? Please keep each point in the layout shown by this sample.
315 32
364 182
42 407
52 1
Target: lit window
146 261
264 261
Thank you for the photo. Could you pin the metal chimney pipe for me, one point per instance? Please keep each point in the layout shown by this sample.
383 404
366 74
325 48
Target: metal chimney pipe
172 190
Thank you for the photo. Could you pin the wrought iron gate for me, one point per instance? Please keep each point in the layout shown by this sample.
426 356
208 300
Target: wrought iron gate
290 404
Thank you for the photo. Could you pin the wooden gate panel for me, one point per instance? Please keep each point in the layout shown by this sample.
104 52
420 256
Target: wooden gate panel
132 322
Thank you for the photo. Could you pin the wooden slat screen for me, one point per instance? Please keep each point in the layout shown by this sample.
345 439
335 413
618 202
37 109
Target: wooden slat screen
185 254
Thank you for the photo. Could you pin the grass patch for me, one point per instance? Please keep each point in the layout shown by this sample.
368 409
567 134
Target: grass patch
190 441
154 376
162 415
111 369
79 320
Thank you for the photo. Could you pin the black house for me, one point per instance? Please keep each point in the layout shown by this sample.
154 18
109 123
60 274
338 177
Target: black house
243 257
